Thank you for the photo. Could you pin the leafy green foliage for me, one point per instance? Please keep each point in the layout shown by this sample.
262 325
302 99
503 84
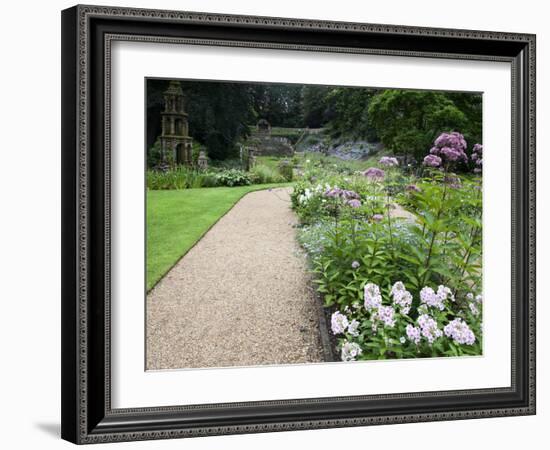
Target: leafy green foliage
221 114
350 113
261 174
408 121
233 177
315 107
286 169
351 247
279 104
182 177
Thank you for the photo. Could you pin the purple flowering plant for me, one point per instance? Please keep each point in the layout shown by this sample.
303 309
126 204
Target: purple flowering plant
362 230
385 327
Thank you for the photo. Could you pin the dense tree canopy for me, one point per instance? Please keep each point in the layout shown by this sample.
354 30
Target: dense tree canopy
279 104
349 113
219 113
405 121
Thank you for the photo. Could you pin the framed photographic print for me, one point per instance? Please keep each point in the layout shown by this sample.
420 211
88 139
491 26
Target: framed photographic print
280 224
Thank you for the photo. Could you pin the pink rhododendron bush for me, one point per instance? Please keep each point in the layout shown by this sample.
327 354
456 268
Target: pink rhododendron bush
396 252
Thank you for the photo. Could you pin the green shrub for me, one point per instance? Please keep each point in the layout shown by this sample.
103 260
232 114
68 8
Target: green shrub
233 177
393 276
180 177
262 174
154 156
228 164
286 169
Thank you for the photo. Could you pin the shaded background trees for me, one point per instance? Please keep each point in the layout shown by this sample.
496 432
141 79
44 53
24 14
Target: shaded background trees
405 121
219 113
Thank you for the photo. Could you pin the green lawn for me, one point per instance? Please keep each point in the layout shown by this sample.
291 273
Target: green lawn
176 219
270 161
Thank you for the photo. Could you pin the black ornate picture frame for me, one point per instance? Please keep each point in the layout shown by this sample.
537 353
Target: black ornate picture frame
87 35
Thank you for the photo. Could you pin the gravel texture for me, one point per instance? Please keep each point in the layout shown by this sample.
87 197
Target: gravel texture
241 296
398 212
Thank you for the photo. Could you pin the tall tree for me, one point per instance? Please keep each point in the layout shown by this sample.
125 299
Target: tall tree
279 104
314 105
408 121
349 112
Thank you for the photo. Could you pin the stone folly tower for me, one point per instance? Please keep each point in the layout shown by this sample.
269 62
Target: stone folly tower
175 141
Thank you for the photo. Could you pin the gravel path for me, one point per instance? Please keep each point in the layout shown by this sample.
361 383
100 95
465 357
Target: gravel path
240 297
398 212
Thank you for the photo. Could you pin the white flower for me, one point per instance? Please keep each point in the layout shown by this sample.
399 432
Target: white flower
339 323
444 292
385 314
413 333
401 297
353 328
436 300
429 328
460 332
350 351
373 298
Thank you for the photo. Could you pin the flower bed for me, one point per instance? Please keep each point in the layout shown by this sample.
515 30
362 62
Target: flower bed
398 288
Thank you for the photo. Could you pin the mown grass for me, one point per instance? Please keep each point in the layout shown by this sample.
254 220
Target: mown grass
270 161
177 219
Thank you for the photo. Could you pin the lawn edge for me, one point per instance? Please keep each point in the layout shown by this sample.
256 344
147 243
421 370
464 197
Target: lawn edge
260 188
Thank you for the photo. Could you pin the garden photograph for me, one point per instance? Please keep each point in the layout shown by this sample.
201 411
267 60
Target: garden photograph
300 223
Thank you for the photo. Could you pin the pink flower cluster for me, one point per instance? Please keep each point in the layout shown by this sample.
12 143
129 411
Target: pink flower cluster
401 297
374 174
373 303
474 303
350 351
388 161
432 161
425 329
428 328
336 192
413 333
385 314
436 299
373 298
449 148
413 188
460 332
339 322
477 157
350 198
354 203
